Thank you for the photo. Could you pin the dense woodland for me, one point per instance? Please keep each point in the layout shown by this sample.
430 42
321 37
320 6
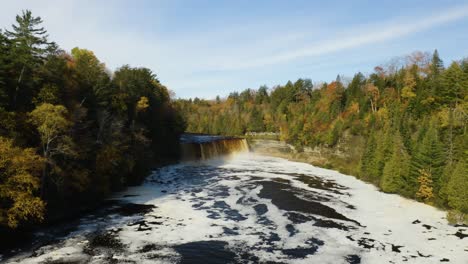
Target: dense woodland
71 131
411 114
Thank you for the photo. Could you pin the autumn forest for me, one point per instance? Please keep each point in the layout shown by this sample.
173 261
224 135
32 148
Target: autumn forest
72 131
406 124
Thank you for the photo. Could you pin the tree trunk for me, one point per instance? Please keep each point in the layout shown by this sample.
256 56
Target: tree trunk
44 180
17 85
450 150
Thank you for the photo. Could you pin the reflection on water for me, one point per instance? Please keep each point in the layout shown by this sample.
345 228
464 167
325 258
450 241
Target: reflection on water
254 209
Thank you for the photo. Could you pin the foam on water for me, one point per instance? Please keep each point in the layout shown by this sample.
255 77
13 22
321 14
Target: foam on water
252 209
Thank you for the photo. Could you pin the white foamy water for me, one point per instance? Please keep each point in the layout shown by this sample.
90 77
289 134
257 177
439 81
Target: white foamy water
256 209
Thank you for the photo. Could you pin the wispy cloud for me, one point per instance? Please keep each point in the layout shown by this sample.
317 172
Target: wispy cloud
387 32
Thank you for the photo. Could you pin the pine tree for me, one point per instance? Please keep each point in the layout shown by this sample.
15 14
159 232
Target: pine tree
382 154
457 189
396 170
437 65
256 121
3 62
29 47
368 157
429 157
454 85
464 65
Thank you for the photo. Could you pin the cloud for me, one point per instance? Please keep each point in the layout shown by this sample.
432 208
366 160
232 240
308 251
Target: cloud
211 59
382 34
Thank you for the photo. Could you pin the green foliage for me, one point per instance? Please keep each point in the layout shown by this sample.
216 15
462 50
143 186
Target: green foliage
429 156
48 94
94 131
256 121
396 170
334 134
367 161
29 47
412 118
4 47
437 65
454 85
458 187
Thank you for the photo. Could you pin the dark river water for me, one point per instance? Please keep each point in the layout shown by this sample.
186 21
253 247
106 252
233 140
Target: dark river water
252 209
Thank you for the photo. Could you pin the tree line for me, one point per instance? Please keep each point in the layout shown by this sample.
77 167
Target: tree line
412 114
71 131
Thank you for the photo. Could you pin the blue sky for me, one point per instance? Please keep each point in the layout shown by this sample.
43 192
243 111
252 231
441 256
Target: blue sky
206 48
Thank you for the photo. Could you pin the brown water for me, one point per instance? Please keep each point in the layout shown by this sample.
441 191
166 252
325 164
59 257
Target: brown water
207 147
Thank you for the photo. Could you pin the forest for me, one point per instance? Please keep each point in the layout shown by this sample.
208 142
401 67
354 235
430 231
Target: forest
72 131
411 115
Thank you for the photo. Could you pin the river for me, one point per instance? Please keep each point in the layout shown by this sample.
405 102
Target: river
249 208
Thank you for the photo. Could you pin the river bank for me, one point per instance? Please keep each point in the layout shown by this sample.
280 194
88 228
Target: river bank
342 157
60 219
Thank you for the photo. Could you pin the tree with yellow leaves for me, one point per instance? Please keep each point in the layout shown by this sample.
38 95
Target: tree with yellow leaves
425 191
52 124
410 84
142 104
373 94
19 183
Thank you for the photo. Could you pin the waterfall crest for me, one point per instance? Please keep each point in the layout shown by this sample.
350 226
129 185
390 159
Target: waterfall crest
208 149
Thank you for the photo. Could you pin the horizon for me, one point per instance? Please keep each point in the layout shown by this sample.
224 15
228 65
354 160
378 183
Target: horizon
204 49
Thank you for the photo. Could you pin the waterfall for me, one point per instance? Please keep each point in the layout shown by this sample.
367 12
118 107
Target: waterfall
211 149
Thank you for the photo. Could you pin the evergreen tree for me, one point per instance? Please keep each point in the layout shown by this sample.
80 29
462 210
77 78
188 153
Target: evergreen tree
4 46
429 157
354 91
262 95
454 85
437 65
382 154
464 65
29 47
396 170
458 186
51 102
368 158
256 121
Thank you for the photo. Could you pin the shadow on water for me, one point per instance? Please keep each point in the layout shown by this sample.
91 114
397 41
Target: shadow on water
205 252
191 179
282 196
193 174
30 241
